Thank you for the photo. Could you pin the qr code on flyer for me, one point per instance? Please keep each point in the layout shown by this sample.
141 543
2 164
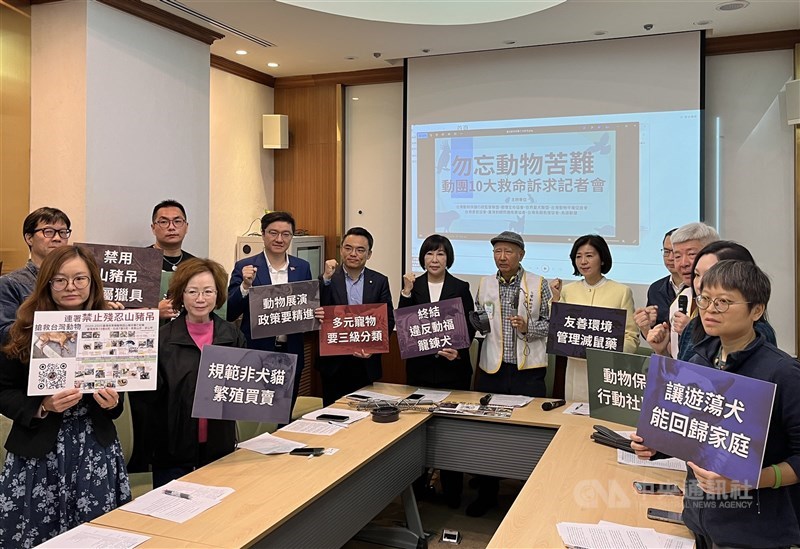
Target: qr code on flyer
52 376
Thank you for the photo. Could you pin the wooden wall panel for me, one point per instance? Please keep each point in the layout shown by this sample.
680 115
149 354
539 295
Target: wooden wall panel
15 131
306 181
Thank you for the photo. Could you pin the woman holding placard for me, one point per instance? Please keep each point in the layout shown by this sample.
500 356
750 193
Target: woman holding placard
720 511
183 443
591 259
64 464
447 368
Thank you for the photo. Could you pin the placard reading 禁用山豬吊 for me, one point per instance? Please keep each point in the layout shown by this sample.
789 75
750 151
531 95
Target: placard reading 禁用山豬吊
131 275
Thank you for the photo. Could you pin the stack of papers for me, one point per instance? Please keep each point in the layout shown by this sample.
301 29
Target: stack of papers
429 395
178 501
364 396
469 409
673 464
578 409
313 427
617 536
352 415
268 444
513 401
85 536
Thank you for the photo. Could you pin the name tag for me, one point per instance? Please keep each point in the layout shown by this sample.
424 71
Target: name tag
489 308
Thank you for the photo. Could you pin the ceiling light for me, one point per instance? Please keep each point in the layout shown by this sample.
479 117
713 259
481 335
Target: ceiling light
703 23
600 33
436 12
733 5
273 65
355 99
351 57
241 52
509 42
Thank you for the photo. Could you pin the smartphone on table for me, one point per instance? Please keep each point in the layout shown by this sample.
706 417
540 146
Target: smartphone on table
333 417
664 516
657 489
307 452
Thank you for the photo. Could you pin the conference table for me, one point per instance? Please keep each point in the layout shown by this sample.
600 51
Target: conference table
296 501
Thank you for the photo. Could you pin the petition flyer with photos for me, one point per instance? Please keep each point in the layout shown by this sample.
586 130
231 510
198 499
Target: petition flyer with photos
90 350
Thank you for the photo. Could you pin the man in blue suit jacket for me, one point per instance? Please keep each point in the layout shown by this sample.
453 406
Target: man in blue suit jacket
352 284
274 266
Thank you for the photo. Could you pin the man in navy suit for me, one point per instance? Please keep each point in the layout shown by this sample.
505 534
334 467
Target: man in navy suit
274 266
352 284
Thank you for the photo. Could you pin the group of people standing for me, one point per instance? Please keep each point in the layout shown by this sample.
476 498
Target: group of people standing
65 466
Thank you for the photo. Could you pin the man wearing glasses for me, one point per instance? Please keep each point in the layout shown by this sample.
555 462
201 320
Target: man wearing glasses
352 284
662 292
274 266
44 230
169 226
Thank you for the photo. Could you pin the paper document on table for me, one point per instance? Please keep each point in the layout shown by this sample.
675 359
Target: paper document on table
673 464
178 501
514 401
578 409
429 395
594 536
352 415
85 536
312 427
363 396
666 541
269 444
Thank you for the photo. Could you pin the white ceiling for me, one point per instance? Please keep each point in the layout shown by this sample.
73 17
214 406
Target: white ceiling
311 42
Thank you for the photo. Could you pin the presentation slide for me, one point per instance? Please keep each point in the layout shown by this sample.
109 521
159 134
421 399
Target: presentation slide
627 177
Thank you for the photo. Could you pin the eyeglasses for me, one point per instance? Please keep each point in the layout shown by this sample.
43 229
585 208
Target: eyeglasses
285 234
666 251
164 222
60 283
49 232
720 304
350 249
208 293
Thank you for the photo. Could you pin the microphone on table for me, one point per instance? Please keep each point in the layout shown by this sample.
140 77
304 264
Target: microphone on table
547 406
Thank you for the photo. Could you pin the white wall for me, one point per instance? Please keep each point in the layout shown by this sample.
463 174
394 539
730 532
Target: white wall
58 110
241 177
753 147
748 138
136 128
374 173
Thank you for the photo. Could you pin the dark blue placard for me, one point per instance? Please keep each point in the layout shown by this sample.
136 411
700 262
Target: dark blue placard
234 383
682 401
574 328
426 329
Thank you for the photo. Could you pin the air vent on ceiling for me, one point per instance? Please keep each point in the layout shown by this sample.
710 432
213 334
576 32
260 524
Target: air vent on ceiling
218 24
733 5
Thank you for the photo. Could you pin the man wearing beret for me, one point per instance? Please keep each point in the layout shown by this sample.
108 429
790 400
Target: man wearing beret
515 308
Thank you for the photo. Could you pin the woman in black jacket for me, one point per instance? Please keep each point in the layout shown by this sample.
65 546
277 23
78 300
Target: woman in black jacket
183 443
64 464
447 368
